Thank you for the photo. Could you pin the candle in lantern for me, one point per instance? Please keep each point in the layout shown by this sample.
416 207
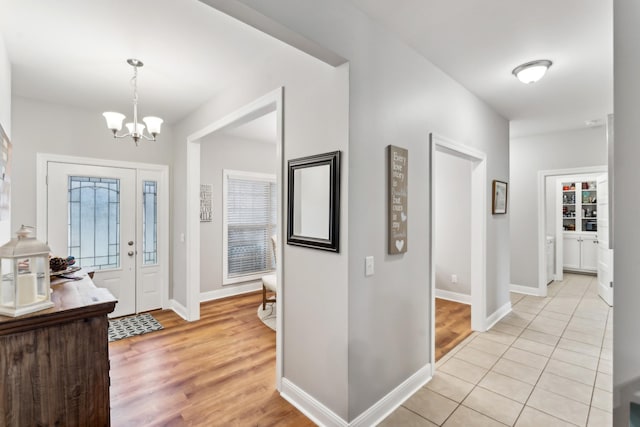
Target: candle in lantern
27 289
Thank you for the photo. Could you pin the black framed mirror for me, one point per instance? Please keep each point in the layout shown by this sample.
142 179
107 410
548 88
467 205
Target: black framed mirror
314 202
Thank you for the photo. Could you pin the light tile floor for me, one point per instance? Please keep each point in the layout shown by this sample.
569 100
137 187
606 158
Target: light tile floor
547 363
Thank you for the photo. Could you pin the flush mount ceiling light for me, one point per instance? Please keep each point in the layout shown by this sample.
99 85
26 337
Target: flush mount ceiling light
136 130
532 71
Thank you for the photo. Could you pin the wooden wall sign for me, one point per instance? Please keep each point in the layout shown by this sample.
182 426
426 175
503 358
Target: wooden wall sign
398 162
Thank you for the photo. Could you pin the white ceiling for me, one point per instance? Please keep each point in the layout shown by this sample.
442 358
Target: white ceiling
479 43
73 52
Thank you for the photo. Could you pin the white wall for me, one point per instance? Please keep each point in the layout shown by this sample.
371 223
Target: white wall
626 176
315 282
453 223
5 88
40 127
219 152
562 150
5 121
395 97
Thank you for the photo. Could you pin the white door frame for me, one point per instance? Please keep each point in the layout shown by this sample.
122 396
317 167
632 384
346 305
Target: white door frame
163 203
478 230
267 103
542 214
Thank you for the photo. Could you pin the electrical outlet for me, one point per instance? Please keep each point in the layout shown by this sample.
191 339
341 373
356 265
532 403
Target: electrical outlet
368 266
454 278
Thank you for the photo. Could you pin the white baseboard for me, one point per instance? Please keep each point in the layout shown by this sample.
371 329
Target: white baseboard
526 290
178 308
314 410
453 296
181 310
230 291
389 403
323 416
498 314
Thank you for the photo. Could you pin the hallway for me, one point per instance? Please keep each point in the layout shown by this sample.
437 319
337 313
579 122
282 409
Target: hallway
546 363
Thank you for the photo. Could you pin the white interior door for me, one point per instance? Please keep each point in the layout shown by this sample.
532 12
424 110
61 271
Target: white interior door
91 215
605 255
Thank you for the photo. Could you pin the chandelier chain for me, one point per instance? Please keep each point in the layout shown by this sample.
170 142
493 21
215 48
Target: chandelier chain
135 97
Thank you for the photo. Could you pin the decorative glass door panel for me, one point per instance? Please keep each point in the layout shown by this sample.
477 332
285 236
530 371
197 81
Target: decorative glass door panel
94 222
149 222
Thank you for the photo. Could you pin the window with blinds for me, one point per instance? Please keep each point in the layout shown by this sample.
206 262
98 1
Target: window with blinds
250 221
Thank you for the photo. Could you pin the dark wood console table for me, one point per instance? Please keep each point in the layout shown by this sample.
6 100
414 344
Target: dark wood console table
54 364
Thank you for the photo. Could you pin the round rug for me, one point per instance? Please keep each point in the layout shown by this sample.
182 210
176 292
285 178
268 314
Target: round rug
268 315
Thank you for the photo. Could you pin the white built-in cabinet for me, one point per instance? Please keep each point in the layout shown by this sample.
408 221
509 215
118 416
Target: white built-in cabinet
571 251
580 206
580 225
580 252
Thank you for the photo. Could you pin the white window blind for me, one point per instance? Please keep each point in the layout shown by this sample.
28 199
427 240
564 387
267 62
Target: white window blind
250 221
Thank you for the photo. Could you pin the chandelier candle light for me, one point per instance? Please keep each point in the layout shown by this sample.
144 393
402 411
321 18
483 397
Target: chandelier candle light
136 130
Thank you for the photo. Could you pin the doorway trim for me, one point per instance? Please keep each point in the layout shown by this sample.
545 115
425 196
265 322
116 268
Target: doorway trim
272 101
542 214
478 230
42 159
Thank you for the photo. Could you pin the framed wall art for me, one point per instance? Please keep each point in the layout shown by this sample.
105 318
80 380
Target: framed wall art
499 198
5 176
206 207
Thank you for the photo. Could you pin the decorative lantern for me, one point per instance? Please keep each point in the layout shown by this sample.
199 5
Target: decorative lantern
24 269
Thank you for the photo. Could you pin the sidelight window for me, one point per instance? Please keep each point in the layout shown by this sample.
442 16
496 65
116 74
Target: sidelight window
149 222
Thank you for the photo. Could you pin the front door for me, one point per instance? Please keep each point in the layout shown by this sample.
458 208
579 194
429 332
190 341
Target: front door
91 215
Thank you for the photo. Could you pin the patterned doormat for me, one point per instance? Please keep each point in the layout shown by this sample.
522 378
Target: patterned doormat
134 325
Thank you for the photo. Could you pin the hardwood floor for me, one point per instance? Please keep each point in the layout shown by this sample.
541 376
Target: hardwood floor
453 325
218 371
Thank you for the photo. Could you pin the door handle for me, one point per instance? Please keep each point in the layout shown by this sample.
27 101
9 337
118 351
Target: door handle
130 243
130 253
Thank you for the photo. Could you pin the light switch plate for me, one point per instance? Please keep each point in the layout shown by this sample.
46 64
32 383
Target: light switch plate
368 266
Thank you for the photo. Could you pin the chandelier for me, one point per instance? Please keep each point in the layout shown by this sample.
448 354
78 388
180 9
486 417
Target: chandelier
135 129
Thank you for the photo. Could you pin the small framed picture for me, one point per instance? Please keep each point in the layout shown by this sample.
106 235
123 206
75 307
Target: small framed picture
499 199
